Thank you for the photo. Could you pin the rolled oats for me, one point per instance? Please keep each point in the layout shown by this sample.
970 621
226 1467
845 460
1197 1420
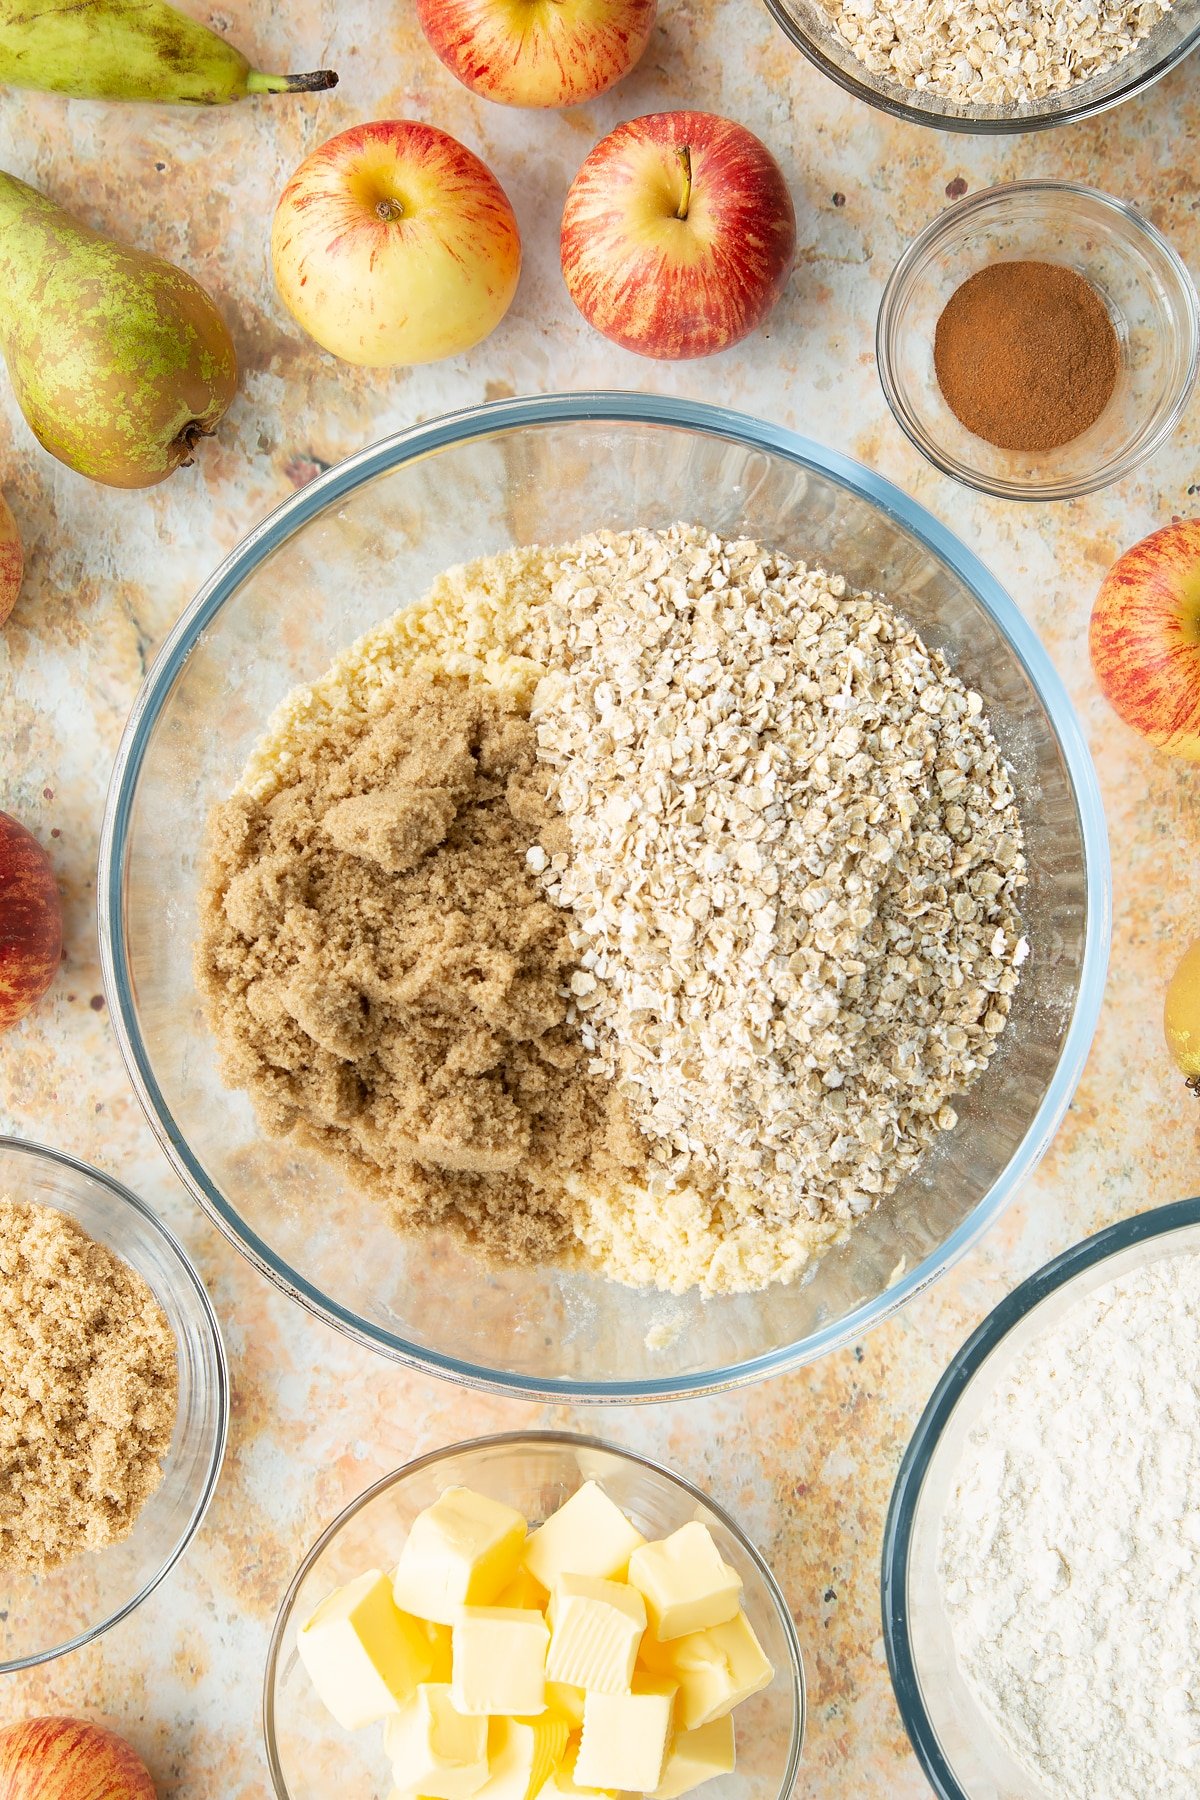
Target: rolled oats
993 52
794 868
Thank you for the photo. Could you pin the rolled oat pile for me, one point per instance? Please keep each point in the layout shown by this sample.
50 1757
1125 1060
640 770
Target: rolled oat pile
993 52
794 867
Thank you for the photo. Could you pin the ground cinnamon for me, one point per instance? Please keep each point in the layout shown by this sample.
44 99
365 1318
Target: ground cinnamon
1026 355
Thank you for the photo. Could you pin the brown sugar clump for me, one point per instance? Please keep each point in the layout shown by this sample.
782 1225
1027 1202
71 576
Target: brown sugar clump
387 981
88 1390
1026 355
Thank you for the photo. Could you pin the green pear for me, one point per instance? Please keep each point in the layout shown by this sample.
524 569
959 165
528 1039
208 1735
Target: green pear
120 361
130 50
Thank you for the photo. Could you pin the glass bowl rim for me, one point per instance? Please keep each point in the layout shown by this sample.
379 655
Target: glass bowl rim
953 1386
489 420
1015 124
945 224
126 1197
526 1440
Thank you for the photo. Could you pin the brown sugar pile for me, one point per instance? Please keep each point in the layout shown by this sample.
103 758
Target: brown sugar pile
88 1391
387 981
1026 355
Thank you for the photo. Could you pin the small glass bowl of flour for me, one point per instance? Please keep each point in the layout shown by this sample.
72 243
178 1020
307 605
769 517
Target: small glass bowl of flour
1041 1564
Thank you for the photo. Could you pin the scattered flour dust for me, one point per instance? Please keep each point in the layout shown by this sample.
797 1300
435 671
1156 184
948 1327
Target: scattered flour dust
1070 1549
812 735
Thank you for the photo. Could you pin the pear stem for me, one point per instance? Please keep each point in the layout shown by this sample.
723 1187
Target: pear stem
189 437
314 83
684 156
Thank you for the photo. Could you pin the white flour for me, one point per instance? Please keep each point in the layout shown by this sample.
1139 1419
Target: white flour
1070 1550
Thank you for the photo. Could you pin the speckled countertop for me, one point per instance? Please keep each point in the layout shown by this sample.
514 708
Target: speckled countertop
314 1419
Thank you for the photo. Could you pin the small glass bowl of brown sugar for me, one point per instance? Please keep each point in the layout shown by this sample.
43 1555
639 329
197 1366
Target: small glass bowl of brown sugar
1038 340
108 1345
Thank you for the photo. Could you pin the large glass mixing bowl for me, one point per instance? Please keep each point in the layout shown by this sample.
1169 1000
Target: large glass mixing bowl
339 556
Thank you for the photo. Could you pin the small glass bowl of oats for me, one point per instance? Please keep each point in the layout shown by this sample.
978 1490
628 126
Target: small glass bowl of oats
434 512
126 1324
927 65
1143 286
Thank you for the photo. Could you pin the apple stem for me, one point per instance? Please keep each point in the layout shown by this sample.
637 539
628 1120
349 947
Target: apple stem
1193 1085
684 154
389 209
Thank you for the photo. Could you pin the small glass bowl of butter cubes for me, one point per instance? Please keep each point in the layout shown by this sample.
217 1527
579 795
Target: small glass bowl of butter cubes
537 1616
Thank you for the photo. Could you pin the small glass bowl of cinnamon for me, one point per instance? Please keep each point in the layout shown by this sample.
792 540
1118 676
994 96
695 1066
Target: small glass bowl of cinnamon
1038 340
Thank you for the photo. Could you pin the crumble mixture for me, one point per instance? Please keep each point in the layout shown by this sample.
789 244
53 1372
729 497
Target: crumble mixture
785 868
387 980
993 52
88 1391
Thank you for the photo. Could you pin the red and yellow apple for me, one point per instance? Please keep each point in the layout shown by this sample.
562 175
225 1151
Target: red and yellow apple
678 234
393 243
69 1759
538 52
12 560
30 929
1145 638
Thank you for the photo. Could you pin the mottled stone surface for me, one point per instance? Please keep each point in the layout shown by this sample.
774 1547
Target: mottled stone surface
807 1462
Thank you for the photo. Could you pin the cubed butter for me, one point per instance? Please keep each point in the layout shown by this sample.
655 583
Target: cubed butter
499 1661
364 1656
522 1753
461 1551
684 1582
588 1535
523 1590
695 1757
435 1750
596 1627
561 1783
716 1669
567 1700
440 1643
626 1737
